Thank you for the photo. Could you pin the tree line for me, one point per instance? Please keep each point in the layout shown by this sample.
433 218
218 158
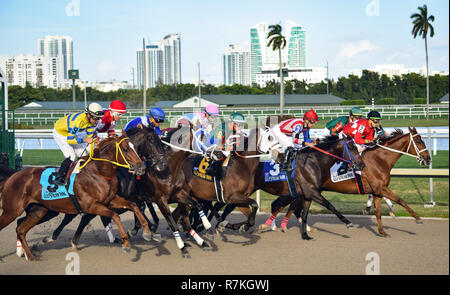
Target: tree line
403 89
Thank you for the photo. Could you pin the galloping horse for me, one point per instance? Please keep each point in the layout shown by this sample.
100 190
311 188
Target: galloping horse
150 150
238 183
311 166
376 175
95 188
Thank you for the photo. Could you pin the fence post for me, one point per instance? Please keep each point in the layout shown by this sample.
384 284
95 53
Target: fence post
258 200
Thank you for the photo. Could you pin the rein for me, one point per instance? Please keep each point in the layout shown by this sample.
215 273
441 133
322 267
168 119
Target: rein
339 158
118 149
411 140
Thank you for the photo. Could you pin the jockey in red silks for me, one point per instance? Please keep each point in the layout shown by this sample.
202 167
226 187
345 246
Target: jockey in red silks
362 131
109 120
288 133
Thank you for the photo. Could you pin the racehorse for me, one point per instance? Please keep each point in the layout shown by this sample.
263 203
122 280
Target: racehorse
94 187
238 183
376 175
149 148
311 166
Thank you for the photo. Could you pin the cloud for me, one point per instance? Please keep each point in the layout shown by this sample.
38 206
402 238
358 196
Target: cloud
351 49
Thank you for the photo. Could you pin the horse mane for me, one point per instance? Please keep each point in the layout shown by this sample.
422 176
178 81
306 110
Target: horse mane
394 134
325 142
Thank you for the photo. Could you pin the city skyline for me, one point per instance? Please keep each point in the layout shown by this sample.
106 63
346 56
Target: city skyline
357 34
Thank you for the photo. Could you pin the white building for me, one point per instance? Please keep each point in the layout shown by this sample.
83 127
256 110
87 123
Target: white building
392 70
105 86
163 62
34 70
236 65
310 75
60 47
264 58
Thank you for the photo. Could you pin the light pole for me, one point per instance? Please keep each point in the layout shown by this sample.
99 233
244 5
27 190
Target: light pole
85 96
144 82
199 87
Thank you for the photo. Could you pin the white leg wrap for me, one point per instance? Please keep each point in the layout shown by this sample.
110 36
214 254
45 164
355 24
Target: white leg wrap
178 239
19 249
196 237
369 201
389 203
205 220
109 233
273 225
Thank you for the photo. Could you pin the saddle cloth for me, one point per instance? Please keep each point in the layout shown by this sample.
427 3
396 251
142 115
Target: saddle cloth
201 165
272 171
47 180
338 175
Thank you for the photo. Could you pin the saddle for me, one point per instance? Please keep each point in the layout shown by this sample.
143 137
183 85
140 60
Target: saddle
208 169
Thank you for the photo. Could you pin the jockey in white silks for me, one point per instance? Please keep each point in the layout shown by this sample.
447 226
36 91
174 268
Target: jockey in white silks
203 124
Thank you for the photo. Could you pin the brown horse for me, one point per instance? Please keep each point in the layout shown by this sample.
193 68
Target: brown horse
310 171
237 185
95 190
376 175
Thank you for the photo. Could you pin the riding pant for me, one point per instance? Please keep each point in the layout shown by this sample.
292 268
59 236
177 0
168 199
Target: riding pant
282 138
69 150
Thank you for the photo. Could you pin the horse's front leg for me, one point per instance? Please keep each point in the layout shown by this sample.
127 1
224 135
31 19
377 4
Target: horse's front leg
165 210
386 192
377 205
119 203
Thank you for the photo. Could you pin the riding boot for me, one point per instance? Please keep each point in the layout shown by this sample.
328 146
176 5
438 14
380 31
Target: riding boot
287 159
60 179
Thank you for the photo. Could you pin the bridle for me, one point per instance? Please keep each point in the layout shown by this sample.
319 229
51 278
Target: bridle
418 157
118 151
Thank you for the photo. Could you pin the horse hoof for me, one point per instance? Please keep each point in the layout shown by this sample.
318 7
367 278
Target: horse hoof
147 236
392 214
126 249
47 240
156 237
221 226
210 235
185 253
366 211
306 237
419 222
263 226
350 226
205 247
243 228
74 246
132 233
283 230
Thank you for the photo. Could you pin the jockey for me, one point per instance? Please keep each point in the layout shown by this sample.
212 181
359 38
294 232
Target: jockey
288 133
73 133
233 127
335 126
108 122
155 117
362 131
202 120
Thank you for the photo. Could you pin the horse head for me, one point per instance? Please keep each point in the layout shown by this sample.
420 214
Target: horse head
268 143
120 151
351 153
418 148
149 147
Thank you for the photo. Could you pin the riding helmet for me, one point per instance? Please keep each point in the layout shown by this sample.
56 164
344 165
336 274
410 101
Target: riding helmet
157 114
374 115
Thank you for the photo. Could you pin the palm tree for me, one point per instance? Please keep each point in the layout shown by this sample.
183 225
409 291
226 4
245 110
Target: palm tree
278 42
421 22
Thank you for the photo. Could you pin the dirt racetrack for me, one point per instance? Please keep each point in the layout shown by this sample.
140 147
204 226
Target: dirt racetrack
411 249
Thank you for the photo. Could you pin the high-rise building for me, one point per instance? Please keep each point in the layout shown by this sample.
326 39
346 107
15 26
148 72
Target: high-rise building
236 65
163 62
29 69
263 58
60 47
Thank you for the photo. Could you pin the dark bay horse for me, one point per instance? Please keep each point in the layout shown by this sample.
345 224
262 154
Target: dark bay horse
148 146
310 170
95 190
238 183
376 175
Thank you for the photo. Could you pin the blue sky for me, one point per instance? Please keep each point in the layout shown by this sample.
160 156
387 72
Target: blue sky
349 34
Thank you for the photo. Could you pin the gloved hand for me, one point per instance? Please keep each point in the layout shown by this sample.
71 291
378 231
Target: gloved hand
372 143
